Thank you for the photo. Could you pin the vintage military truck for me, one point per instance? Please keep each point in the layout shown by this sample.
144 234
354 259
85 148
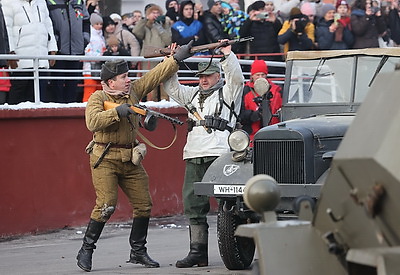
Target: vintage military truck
321 94
355 227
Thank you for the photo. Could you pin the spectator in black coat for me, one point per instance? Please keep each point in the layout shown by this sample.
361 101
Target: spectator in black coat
213 29
367 25
264 30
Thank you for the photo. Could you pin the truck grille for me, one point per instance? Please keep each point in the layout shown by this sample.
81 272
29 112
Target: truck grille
281 159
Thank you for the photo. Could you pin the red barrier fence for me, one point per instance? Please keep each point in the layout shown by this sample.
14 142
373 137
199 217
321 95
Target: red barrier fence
45 175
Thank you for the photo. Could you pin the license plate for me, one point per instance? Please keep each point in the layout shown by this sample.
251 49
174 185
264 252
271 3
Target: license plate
228 189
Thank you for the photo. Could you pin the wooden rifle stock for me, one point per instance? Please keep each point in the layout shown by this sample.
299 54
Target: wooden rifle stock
158 52
109 105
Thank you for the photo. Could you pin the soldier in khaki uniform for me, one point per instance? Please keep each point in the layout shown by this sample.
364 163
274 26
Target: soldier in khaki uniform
112 153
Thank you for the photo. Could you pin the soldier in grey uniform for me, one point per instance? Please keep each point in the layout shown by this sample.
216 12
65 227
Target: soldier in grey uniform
113 153
217 102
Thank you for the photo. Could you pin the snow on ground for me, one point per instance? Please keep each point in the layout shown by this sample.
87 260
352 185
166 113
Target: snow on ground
41 105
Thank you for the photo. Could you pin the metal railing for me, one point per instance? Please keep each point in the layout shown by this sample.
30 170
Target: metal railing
43 73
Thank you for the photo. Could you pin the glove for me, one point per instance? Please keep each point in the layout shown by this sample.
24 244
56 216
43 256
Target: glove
124 110
255 116
184 52
159 27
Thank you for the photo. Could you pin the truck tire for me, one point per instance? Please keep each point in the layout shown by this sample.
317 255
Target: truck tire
236 252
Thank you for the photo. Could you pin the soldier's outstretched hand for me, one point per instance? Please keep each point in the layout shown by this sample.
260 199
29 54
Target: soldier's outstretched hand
183 52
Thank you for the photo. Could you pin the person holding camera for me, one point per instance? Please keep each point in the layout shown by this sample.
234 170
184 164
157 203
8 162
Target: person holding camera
297 33
367 24
264 25
255 92
331 33
154 30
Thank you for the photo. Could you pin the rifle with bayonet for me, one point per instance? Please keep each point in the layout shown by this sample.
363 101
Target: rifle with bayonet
150 51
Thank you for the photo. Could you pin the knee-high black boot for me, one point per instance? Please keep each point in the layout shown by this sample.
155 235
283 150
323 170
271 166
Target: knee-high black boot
138 241
198 254
92 234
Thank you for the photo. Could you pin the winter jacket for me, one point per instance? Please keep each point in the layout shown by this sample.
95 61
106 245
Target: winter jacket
265 35
293 41
251 122
326 39
30 30
68 25
129 40
96 47
157 35
107 126
199 143
183 33
4 47
213 29
366 29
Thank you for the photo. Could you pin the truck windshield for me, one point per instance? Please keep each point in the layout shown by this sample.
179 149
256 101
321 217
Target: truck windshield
338 80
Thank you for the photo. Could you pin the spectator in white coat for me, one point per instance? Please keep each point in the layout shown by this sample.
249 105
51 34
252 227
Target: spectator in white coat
30 33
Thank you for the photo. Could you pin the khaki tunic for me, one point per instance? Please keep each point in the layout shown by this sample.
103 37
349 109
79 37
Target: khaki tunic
116 169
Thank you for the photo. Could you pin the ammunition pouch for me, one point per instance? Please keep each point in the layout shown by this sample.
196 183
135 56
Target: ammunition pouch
215 122
210 122
138 153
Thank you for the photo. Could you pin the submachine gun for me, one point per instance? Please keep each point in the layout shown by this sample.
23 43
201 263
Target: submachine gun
150 51
150 116
150 121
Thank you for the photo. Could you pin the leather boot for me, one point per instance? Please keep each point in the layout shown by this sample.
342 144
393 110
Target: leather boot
198 254
92 234
138 241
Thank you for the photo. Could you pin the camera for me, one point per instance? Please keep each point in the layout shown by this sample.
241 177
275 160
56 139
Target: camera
301 24
258 99
262 15
160 19
375 9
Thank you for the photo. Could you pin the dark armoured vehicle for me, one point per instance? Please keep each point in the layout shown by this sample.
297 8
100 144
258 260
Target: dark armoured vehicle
322 92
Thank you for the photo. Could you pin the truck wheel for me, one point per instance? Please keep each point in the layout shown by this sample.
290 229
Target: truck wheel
236 252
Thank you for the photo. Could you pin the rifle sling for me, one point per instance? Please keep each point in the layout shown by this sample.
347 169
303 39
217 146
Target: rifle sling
151 144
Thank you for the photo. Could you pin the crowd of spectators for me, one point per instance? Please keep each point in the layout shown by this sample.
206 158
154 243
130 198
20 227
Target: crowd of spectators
277 26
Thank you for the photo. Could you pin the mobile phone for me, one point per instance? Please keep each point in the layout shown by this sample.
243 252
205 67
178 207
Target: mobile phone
336 17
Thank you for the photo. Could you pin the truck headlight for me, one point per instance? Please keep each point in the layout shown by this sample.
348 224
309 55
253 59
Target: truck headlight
239 140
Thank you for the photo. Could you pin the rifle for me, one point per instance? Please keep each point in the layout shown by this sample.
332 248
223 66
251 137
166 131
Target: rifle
150 51
144 111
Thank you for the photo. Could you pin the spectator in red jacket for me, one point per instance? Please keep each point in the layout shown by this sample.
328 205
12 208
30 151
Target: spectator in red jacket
251 111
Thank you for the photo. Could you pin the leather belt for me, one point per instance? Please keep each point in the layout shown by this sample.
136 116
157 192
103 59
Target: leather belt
125 146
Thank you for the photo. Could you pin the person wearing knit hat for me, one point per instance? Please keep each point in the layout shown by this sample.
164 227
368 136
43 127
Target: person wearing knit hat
211 3
297 33
342 8
250 113
116 17
95 18
213 29
332 33
172 7
95 47
308 8
263 24
154 30
326 8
